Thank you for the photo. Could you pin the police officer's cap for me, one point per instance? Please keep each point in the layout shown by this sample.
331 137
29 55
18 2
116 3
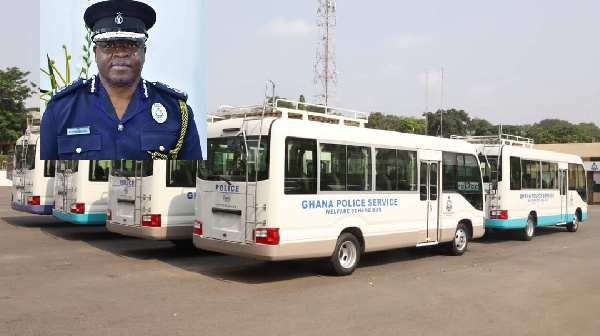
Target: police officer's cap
119 19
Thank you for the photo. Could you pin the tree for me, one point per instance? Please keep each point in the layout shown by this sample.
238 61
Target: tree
480 127
302 100
14 90
377 120
453 122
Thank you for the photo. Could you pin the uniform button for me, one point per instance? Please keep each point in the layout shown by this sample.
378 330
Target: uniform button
120 127
78 150
161 148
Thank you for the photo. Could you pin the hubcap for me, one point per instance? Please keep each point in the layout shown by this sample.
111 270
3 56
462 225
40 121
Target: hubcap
347 254
529 227
460 239
575 221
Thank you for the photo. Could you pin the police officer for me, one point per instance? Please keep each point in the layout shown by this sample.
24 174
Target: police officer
117 114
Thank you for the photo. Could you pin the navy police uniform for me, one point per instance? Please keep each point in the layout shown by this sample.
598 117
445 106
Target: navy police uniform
80 123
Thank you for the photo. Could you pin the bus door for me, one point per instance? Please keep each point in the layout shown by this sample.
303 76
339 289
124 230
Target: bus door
428 191
563 186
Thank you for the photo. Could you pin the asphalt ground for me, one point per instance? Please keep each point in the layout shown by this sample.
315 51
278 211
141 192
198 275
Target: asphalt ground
61 279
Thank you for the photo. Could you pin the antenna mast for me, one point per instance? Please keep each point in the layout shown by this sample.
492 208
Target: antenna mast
325 73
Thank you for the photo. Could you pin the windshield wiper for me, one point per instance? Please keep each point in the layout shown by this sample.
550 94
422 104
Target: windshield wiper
218 177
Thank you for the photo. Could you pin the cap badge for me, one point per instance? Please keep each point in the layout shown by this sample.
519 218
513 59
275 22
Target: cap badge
119 18
159 113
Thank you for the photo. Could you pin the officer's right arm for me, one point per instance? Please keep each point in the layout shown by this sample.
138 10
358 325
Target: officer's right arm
48 136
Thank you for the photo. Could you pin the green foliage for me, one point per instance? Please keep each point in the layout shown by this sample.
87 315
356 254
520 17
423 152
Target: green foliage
14 90
448 122
377 120
55 75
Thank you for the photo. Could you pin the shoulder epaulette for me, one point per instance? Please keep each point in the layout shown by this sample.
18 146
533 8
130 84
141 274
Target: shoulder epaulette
65 90
172 91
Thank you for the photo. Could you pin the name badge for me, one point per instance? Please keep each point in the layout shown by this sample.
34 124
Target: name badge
78 130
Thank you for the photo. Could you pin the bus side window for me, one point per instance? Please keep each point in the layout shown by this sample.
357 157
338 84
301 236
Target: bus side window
300 173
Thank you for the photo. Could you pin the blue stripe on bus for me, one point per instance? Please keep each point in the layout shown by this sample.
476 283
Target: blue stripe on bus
519 223
33 209
82 219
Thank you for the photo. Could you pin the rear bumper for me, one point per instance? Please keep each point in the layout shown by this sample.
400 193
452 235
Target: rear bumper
81 219
302 250
520 223
154 233
33 209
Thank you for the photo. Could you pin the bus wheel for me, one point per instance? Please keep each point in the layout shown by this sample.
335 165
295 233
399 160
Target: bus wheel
574 225
458 246
345 256
529 229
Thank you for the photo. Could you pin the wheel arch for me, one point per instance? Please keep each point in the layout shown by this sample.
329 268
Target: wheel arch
469 224
356 232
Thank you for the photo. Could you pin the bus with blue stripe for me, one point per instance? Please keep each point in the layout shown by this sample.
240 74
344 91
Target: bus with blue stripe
32 178
529 188
81 191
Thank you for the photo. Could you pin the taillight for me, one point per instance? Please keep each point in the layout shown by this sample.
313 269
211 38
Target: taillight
54 204
267 236
198 227
108 214
33 200
499 214
78 208
151 220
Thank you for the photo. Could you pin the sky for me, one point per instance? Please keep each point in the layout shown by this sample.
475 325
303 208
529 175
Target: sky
509 62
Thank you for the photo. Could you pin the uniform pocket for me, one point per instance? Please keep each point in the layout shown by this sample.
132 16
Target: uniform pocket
79 144
158 141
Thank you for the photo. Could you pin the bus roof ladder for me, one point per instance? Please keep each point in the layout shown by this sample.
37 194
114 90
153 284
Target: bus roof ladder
252 207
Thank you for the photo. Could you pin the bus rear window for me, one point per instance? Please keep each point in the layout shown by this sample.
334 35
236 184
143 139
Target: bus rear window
128 168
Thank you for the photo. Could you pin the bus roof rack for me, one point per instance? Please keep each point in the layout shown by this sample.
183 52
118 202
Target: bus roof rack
501 139
330 115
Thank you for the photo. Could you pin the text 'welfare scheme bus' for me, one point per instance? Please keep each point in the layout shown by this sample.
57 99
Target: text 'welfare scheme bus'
81 191
32 178
282 183
528 187
153 199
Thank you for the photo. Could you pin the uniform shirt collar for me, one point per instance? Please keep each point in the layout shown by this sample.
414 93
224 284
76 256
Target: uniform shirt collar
95 87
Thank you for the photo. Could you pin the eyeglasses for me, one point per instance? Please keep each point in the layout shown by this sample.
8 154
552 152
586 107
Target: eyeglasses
112 48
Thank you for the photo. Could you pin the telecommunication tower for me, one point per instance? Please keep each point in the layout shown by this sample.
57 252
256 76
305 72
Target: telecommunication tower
325 72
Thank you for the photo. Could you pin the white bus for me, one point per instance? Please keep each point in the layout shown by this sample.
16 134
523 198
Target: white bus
32 178
81 191
152 199
528 187
281 183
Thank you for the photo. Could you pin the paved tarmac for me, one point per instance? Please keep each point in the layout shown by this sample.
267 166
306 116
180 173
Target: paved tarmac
61 279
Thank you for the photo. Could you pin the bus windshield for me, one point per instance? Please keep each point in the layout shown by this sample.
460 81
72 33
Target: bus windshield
127 168
227 159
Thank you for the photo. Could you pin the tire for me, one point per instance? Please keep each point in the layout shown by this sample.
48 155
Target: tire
459 243
529 231
574 225
346 255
